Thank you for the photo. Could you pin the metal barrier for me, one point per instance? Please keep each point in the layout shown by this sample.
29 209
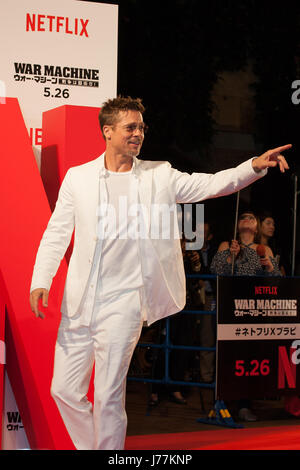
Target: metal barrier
168 346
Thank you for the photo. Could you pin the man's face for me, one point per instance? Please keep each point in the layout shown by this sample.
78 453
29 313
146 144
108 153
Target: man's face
126 136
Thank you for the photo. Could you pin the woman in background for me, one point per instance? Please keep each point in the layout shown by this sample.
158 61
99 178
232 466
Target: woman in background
243 252
242 255
266 237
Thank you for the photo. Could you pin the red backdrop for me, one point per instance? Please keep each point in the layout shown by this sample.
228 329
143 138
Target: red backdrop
70 136
2 348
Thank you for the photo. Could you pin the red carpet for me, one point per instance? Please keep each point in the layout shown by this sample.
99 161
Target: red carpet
262 438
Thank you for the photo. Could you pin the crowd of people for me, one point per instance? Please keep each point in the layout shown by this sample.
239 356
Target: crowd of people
239 257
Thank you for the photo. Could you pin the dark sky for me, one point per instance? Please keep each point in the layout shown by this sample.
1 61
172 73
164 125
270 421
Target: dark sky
171 54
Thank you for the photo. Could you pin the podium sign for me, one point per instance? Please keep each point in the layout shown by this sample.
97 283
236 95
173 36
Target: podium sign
258 337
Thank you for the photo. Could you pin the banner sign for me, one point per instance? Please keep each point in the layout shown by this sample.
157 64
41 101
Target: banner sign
54 53
13 432
258 337
2 357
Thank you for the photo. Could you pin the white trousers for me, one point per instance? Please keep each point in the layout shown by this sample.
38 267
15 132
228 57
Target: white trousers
109 342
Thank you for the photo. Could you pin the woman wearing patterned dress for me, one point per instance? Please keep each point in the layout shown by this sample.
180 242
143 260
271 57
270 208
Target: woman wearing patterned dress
246 263
246 260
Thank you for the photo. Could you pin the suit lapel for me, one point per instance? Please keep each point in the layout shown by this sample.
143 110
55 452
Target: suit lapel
93 201
145 176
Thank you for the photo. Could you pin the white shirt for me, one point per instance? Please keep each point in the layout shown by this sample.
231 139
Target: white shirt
116 264
120 266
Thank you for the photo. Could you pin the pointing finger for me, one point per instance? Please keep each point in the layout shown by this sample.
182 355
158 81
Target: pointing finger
281 149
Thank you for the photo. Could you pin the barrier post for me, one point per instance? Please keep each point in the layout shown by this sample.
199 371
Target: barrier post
220 416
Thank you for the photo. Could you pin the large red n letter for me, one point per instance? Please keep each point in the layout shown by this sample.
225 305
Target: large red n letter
24 214
286 368
72 136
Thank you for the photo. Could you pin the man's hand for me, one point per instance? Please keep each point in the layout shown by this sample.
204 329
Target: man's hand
35 295
272 158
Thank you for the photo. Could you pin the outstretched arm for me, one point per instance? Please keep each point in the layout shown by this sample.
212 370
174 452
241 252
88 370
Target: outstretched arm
200 186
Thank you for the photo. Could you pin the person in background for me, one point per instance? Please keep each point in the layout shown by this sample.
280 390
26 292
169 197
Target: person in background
181 328
267 230
266 237
241 253
207 322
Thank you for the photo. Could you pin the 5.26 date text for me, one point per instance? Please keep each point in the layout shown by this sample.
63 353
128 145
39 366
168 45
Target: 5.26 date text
252 368
56 93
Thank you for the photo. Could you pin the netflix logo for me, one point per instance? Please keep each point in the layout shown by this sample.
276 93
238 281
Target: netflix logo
271 290
58 24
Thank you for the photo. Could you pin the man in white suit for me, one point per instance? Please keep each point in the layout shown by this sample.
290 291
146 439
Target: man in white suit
119 275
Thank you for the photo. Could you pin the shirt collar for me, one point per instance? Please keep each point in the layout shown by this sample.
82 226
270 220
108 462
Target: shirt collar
103 171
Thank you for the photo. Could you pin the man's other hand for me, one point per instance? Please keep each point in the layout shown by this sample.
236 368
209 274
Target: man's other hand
35 296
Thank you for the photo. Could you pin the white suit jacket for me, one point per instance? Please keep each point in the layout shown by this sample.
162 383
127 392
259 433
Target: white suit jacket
161 259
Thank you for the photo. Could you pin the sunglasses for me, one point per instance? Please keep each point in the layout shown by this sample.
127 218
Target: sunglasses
247 216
